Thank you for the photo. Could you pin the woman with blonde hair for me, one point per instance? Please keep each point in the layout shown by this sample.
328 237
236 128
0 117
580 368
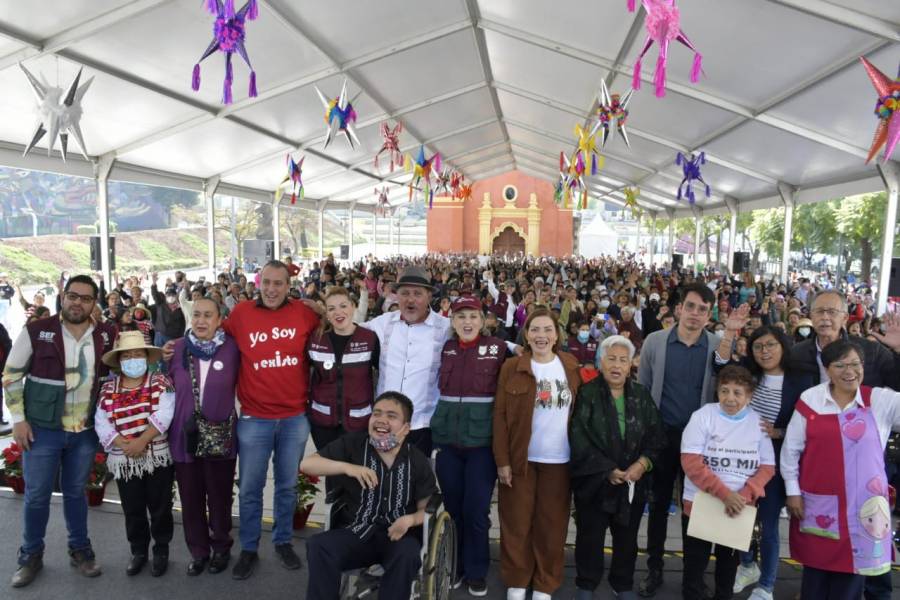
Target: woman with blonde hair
535 395
343 357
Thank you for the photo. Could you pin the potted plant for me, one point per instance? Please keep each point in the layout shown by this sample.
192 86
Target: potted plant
307 489
96 484
12 468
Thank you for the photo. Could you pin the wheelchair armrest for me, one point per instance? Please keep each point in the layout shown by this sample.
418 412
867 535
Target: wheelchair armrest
434 503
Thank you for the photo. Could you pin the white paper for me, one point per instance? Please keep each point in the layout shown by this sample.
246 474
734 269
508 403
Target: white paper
709 522
630 491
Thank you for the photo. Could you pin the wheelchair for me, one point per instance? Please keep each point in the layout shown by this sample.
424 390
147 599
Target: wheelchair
435 580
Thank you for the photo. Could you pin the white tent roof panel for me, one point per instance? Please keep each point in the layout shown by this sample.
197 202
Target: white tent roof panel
528 67
440 66
491 84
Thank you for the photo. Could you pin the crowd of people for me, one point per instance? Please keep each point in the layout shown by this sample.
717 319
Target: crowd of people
604 383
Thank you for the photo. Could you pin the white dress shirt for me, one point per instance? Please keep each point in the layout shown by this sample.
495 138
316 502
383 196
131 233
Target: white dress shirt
410 360
885 404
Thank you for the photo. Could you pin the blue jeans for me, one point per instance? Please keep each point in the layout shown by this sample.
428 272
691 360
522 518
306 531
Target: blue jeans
50 450
467 477
769 514
258 439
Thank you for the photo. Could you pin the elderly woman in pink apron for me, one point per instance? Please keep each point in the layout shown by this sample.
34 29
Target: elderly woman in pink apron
832 462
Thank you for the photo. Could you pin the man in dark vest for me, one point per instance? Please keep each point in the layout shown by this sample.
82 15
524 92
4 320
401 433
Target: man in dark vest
51 380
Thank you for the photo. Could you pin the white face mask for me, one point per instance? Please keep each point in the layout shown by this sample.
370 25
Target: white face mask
804 331
604 304
719 333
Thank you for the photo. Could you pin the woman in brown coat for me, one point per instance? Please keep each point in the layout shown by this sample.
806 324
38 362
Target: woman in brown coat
535 395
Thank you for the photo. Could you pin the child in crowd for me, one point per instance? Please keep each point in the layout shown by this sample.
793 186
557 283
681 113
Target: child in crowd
724 453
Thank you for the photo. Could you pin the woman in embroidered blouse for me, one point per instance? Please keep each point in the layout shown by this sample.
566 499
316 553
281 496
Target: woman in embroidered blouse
204 369
134 411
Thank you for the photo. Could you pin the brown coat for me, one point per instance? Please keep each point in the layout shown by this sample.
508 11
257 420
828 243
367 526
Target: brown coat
514 408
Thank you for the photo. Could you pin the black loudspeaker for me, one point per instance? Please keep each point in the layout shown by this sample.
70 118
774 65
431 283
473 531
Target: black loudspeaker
677 261
345 251
741 262
270 251
894 281
96 263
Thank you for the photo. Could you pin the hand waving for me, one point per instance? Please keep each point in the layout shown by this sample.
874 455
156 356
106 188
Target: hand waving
891 335
738 318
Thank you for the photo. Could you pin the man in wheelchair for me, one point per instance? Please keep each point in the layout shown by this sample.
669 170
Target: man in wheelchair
382 487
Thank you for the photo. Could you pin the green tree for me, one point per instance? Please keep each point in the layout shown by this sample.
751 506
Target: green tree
814 230
860 220
767 231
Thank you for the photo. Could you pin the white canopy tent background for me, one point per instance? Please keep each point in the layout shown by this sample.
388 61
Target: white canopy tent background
783 110
597 239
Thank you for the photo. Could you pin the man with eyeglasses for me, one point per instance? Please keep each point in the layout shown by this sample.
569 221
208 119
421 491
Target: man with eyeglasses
881 368
676 366
51 380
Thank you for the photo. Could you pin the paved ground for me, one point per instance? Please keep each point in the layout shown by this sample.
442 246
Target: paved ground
58 580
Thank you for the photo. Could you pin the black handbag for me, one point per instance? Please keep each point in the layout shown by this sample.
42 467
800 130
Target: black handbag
205 438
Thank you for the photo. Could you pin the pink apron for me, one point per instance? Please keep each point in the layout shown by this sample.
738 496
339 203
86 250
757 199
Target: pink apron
846 521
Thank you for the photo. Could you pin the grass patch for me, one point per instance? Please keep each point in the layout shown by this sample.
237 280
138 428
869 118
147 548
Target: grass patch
80 253
156 252
26 267
194 242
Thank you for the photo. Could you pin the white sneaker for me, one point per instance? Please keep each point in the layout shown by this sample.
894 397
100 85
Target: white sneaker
746 576
515 593
535 595
760 594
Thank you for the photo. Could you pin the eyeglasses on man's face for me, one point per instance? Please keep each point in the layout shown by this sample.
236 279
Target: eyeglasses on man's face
83 298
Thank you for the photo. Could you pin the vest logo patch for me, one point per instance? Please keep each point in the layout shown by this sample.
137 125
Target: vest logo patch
482 350
46 336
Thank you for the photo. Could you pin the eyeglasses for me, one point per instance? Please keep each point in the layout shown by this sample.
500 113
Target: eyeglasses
83 298
842 366
767 346
831 313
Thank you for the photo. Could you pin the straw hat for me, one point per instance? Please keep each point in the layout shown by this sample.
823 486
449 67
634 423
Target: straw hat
130 340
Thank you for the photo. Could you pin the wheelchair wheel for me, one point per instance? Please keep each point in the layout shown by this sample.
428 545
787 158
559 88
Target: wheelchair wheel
438 572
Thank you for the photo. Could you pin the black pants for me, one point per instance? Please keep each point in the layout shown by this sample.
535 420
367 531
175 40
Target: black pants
696 558
150 494
666 471
322 436
330 553
817 584
421 439
590 537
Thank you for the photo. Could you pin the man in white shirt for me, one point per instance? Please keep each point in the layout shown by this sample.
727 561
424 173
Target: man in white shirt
411 342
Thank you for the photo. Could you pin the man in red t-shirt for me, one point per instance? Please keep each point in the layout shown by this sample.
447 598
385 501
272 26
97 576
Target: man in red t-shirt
272 388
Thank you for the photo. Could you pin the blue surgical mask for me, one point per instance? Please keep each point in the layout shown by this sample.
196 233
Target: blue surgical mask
583 336
134 367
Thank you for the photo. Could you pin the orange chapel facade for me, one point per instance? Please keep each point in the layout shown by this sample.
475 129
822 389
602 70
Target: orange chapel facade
506 214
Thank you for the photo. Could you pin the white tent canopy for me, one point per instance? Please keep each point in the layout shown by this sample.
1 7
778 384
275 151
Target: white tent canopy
491 84
597 239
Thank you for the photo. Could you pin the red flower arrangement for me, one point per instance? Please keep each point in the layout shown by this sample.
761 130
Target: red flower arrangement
12 460
99 471
307 489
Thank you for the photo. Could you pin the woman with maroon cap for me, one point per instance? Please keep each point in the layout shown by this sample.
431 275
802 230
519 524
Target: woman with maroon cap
462 430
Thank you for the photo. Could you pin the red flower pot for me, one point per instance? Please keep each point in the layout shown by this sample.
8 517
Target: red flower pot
16 482
95 495
301 515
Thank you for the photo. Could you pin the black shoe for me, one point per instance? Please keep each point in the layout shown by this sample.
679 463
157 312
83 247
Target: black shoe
26 572
219 562
477 587
136 564
245 564
287 556
197 566
650 584
160 565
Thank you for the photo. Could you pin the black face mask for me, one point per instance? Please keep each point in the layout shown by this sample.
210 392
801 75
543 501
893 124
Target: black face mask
654 304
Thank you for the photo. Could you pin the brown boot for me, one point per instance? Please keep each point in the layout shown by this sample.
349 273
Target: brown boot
27 571
84 561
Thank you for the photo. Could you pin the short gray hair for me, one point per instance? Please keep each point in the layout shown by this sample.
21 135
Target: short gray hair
628 309
840 296
617 340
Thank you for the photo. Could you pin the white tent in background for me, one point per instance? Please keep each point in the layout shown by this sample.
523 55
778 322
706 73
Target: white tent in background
598 238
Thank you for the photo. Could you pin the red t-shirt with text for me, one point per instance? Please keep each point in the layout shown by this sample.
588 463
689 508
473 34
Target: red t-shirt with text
274 379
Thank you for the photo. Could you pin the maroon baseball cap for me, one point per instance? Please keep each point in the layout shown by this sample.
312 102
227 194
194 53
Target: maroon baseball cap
464 302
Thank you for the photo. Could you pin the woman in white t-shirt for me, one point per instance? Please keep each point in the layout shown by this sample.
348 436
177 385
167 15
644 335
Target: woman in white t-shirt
535 395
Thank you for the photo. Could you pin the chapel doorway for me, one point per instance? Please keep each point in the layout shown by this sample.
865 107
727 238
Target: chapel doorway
509 242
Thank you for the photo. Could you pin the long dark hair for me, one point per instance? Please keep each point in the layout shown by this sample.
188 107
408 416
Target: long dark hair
780 336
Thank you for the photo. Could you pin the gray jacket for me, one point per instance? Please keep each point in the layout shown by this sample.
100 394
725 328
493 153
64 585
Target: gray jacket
653 365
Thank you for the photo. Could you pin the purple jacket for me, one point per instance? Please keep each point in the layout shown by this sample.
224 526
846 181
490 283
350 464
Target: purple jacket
217 397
